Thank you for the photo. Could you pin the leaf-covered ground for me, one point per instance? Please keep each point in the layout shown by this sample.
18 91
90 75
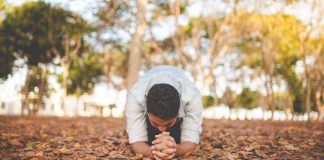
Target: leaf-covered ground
106 138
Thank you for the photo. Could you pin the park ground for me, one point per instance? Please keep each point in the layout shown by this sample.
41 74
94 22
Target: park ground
106 138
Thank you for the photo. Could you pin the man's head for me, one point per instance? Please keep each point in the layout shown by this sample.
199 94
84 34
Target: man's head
163 102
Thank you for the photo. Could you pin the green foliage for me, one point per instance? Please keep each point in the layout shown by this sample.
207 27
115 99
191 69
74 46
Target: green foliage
2 5
84 73
274 40
294 85
283 100
207 101
33 31
6 60
279 31
36 31
6 64
4 8
118 61
249 99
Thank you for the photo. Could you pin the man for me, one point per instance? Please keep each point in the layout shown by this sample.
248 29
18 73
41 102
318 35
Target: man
164 114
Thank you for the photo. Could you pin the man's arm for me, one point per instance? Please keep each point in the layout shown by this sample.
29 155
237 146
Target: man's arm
192 121
185 148
142 148
136 124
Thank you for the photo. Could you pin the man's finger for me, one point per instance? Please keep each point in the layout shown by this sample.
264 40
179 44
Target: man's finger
165 133
162 134
160 154
159 147
170 144
170 156
159 136
170 138
166 142
167 137
157 141
156 158
169 151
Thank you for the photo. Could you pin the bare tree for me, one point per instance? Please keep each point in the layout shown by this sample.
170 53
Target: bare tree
135 54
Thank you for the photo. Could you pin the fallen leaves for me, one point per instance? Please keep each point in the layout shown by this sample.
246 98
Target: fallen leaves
98 138
15 143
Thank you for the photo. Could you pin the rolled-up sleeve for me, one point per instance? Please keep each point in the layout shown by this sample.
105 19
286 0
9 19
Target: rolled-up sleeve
136 125
192 121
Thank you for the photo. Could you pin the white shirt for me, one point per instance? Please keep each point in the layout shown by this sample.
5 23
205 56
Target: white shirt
190 104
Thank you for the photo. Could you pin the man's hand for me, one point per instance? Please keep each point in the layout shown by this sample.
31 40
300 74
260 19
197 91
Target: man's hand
164 146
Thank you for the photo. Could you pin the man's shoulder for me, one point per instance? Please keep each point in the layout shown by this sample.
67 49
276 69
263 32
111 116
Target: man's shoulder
138 92
164 74
165 68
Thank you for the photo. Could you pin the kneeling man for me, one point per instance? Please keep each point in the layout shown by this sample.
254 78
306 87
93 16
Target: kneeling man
164 114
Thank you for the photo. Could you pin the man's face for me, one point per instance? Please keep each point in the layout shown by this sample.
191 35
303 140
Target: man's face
161 124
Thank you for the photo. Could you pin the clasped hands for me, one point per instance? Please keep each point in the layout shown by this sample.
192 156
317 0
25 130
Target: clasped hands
164 146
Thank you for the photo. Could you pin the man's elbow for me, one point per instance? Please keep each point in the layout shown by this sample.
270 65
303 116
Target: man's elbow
135 146
186 148
141 148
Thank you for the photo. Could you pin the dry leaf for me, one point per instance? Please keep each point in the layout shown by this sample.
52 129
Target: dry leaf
16 143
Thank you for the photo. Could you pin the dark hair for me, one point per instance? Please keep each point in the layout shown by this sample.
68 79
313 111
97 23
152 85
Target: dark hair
163 101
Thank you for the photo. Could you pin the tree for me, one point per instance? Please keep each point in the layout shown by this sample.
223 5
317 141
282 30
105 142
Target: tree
283 102
84 73
318 75
37 33
248 99
294 84
229 98
38 82
32 42
135 54
75 30
115 66
116 46
315 50
198 45
269 41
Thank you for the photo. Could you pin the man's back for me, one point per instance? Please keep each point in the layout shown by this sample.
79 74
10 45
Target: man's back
168 75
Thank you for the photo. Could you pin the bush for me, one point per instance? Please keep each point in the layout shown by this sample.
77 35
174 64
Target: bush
207 101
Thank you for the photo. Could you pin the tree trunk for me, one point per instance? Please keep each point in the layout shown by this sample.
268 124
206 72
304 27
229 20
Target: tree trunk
318 95
42 89
135 57
76 109
267 61
272 103
64 86
308 86
111 107
287 114
70 53
25 105
230 113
